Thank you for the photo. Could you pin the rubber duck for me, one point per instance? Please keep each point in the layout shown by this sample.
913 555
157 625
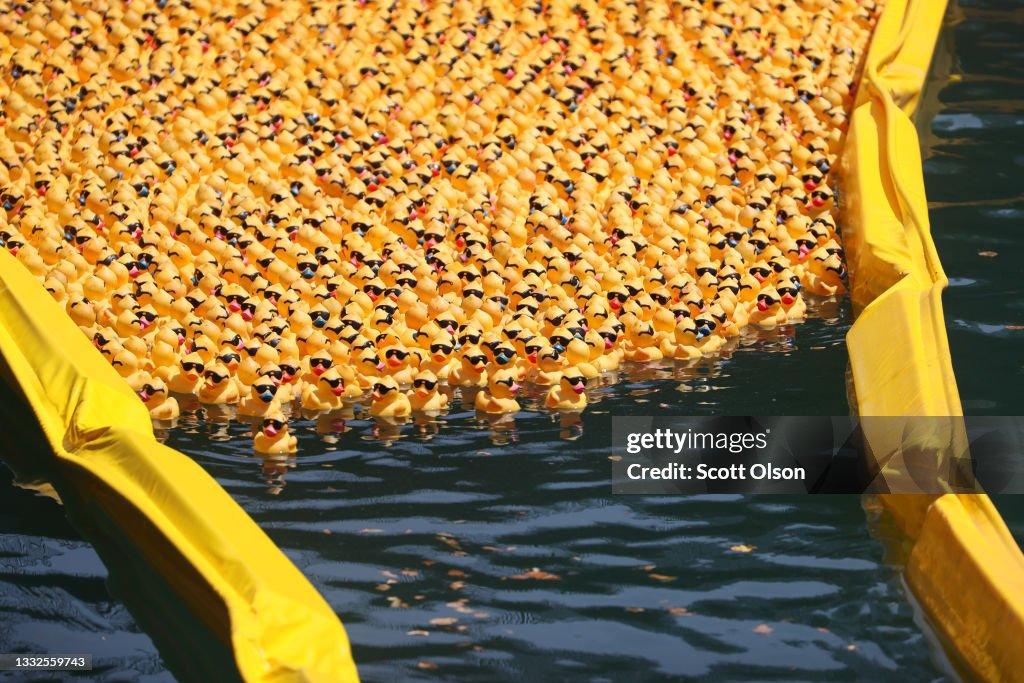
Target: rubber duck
768 311
273 436
425 396
578 356
260 399
326 393
400 363
153 392
188 377
825 272
570 392
388 399
440 360
550 364
499 395
472 368
218 389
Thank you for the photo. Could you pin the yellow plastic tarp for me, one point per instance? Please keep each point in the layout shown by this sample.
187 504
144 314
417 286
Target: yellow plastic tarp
106 465
964 567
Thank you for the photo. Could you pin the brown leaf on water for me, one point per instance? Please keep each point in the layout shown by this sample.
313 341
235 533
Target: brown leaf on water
537 574
443 621
417 632
383 587
410 572
457 585
649 567
742 548
822 629
635 609
397 602
763 629
678 610
429 563
1015 327
456 572
371 531
988 254
851 647
661 577
328 532
615 458
389 574
429 666
481 615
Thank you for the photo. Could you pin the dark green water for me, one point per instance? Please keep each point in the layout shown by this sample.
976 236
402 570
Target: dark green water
974 158
436 524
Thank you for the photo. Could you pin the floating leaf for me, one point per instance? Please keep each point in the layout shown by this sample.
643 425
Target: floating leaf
649 567
851 647
988 254
417 632
763 629
410 572
481 615
661 577
443 621
822 629
1015 327
635 609
430 666
390 575
457 585
742 548
383 587
371 531
615 458
456 572
537 574
678 610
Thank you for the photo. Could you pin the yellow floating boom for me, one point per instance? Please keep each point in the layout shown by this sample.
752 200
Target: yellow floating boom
156 506
964 568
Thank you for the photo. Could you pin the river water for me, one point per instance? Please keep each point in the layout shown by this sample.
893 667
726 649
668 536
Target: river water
484 551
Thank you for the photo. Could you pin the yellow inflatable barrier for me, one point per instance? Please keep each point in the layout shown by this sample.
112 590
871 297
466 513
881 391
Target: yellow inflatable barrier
964 567
161 523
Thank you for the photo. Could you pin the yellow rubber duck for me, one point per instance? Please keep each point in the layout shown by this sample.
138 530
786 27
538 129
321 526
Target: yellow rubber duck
326 394
188 377
260 399
425 396
153 392
273 436
570 392
499 395
388 399
218 389
472 368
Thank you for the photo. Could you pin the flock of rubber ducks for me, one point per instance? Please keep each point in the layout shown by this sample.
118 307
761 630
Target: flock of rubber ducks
265 203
